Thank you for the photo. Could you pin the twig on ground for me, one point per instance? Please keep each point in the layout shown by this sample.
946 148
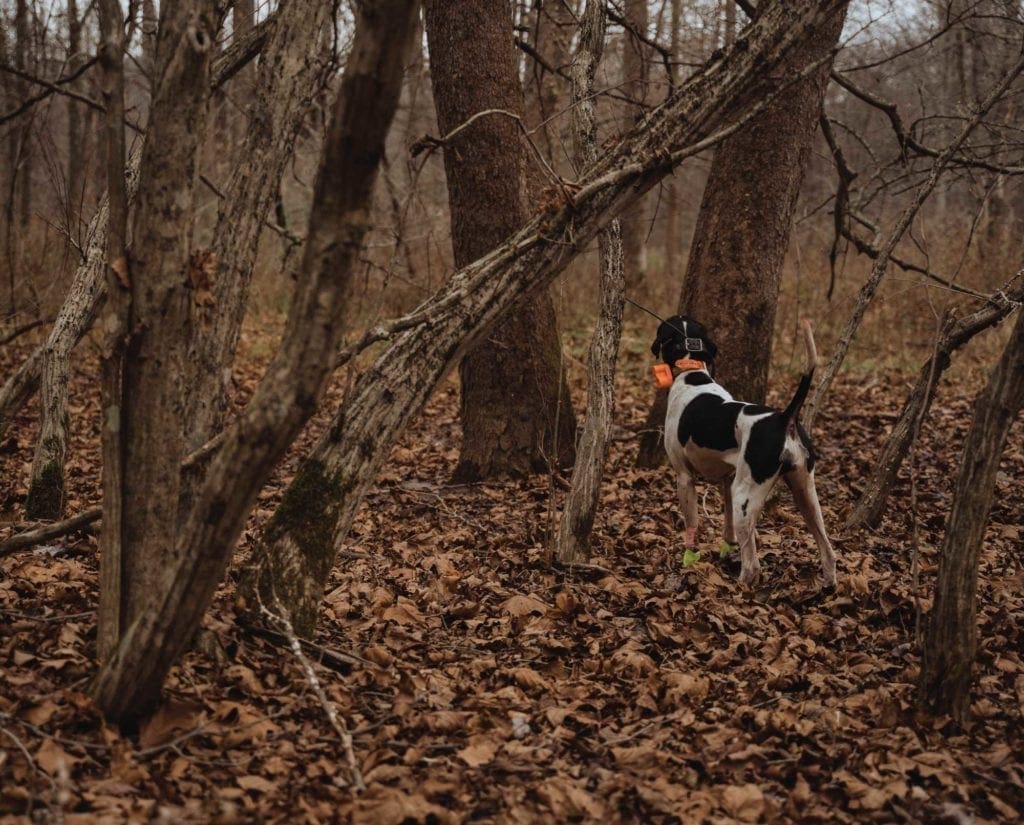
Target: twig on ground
281 619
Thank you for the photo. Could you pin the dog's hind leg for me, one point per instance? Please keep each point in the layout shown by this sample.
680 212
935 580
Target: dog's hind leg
801 483
688 504
748 498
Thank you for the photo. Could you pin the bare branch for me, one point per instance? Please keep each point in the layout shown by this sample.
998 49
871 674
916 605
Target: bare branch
867 292
904 137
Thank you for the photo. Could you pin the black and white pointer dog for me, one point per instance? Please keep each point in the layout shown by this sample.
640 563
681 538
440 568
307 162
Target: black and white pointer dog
745 448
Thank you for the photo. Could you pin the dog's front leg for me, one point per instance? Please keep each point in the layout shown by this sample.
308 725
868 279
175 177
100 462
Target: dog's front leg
748 498
688 504
729 533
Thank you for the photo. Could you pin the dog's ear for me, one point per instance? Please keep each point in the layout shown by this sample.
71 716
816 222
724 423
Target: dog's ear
656 347
711 348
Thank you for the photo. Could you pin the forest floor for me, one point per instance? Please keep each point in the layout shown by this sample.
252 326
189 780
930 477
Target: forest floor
482 685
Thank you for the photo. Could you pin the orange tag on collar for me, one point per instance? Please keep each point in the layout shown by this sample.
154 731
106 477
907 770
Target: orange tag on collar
689 364
662 376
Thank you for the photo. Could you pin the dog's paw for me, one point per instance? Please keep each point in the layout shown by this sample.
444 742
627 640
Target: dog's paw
750 575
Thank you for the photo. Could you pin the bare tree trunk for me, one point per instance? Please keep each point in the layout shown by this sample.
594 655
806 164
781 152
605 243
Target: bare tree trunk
111 613
130 681
317 509
869 508
551 31
18 163
635 74
149 27
573 541
951 636
743 227
22 60
515 410
147 318
290 73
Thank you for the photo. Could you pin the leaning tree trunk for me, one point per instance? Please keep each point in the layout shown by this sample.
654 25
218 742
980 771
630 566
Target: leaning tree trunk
742 233
46 488
129 682
869 508
149 299
318 507
516 413
951 637
573 541
289 77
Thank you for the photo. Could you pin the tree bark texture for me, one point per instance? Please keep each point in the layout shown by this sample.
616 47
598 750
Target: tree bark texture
147 322
289 76
130 680
515 408
951 636
742 233
869 508
576 525
317 509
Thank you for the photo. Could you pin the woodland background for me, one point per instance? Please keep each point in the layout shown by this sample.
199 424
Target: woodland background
456 672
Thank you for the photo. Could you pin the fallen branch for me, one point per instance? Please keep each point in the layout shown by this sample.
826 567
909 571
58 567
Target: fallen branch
45 532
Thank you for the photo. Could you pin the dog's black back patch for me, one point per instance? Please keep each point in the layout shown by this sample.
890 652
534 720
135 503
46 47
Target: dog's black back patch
764 447
696 378
710 421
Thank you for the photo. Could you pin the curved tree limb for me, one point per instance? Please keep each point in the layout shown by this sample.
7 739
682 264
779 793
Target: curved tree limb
867 291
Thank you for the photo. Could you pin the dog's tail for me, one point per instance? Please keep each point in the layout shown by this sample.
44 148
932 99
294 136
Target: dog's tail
793 410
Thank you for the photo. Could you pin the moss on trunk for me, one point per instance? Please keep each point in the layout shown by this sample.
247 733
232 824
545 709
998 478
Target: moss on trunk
45 499
301 533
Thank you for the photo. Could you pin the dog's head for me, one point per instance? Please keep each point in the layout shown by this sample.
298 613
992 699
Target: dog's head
682 337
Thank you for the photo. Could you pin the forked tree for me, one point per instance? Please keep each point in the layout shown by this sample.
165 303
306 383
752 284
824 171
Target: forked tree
183 565
577 522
